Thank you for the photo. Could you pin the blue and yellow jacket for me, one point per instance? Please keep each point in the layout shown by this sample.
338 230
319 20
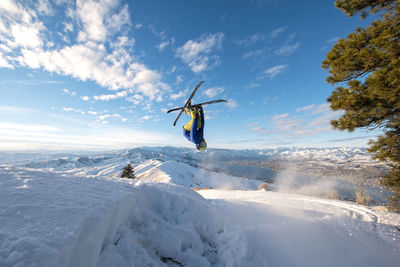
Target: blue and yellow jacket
194 129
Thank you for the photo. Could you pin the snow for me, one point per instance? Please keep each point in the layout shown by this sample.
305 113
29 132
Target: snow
305 231
53 220
183 174
73 210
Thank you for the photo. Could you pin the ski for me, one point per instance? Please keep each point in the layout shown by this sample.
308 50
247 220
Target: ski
188 102
198 105
194 92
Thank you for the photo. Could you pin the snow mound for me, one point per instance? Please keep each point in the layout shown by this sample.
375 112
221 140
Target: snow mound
295 230
48 219
183 174
73 211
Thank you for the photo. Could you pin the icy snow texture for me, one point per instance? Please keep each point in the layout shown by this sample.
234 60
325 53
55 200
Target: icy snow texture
294 230
75 212
315 171
54 220
183 174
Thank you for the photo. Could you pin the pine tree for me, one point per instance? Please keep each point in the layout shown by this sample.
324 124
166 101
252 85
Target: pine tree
366 64
128 172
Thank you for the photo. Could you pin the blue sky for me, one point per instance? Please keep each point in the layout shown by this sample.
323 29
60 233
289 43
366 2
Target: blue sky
101 74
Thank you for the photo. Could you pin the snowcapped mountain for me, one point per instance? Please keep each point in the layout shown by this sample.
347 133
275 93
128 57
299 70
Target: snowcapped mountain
313 171
214 159
73 210
189 176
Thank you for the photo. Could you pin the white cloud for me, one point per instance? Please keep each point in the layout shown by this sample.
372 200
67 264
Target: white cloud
108 136
324 119
277 31
333 40
163 45
111 96
259 129
255 53
44 7
287 49
118 20
68 26
232 103
316 109
91 14
273 72
281 116
211 92
4 62
177 95
5 48
13 110
145 118
261 37
322 108
269 45
291 128
252 39
10 7
91 112
101 53
199 54
136 99
179 79
252 124
306 108
26 36
103 119
163 38
68 92
287 124
85 98
29 127
68 109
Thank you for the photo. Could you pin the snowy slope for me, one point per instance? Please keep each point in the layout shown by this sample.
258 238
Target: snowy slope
72 211
53 220
294 230
189 176
311 171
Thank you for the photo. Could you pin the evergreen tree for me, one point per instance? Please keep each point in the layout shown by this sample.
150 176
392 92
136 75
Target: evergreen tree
128 172
367 66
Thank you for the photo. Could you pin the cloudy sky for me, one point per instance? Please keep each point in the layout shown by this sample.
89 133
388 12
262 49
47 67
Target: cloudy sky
100 74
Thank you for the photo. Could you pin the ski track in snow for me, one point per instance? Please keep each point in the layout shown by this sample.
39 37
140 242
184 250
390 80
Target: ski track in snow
84 216
292 230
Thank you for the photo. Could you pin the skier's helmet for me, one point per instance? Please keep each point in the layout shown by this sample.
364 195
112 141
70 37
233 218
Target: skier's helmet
202 145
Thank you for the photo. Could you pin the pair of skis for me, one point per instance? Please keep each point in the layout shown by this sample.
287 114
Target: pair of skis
188 105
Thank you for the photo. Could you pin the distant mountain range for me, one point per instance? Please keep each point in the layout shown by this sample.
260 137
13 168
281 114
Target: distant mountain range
292 169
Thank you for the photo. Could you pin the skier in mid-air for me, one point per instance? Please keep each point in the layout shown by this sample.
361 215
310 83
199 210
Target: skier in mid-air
194 129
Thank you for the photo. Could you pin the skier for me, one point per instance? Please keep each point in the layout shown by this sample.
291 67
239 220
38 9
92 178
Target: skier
194 129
